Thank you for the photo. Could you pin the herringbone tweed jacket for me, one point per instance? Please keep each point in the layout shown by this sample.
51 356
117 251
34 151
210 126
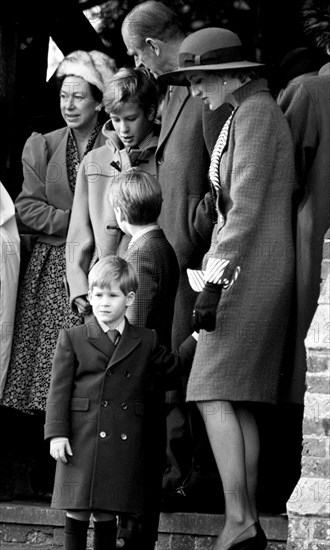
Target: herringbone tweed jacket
155 262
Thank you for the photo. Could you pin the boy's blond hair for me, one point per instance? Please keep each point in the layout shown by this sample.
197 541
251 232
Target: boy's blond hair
112 270
138 195
131 84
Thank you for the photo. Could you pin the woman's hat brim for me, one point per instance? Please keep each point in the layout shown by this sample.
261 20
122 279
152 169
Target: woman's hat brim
178 77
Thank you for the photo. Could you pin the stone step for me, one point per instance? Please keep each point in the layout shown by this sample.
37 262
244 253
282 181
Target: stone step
35 526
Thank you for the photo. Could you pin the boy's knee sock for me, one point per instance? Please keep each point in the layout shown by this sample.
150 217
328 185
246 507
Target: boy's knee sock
75 534
105 535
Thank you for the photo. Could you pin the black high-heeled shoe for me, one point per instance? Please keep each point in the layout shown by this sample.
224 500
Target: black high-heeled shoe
257 542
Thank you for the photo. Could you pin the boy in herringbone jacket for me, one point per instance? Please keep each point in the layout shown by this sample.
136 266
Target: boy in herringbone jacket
136 198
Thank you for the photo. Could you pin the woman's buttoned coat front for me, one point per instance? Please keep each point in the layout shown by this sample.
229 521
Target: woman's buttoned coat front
241 359
108 402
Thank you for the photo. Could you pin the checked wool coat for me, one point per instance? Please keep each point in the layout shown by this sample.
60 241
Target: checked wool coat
157 267
241 359
109 403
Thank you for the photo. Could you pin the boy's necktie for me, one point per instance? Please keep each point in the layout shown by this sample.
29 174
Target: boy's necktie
114 336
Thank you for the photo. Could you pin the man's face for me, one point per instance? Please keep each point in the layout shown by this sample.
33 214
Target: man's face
147 56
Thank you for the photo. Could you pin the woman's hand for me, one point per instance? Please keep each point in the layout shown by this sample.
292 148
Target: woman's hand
204 314
59 448
83 306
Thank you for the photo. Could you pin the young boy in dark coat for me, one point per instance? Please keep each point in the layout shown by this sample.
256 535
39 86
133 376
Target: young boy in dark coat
136 198
104 412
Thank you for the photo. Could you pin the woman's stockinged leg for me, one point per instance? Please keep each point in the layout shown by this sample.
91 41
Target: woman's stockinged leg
227 441
252 450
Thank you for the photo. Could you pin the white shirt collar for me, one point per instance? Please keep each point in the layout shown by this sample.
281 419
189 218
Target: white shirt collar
143 231
105 327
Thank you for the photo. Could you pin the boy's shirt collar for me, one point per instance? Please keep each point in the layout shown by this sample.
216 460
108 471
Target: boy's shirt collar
145 142
105 327
142 232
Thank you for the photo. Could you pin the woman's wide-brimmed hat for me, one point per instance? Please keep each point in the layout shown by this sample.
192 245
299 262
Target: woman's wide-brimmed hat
210 49
94 67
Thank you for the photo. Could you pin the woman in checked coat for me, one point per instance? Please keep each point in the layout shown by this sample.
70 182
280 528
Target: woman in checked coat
243 308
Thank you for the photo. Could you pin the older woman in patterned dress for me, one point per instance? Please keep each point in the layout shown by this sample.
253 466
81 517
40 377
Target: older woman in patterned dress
243 308
50 165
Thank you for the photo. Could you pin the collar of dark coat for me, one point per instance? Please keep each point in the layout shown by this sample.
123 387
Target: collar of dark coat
152 234
97 337
172 110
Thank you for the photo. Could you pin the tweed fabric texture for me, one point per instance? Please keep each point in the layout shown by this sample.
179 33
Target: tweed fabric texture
157 267
241 359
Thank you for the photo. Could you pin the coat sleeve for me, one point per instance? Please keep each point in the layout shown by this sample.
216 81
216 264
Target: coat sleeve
173 366
32 203
59 396
147 293
299 110
248 173
80 239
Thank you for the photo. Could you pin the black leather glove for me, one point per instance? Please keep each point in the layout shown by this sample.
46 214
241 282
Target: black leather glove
204 314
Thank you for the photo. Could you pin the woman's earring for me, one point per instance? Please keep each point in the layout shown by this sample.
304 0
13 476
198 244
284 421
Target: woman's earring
98 108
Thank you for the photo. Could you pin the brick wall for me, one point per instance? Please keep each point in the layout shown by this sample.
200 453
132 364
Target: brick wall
309 505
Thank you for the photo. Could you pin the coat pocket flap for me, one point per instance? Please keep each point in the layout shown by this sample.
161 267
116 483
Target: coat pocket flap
139 407
79 404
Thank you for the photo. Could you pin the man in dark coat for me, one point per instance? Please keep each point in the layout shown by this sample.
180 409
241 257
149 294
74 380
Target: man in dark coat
306 104
152 34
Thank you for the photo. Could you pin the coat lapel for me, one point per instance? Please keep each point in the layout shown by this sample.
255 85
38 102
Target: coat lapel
57 169
172 110
97 336
128 342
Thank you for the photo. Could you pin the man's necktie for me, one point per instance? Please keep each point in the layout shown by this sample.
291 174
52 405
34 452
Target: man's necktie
114 336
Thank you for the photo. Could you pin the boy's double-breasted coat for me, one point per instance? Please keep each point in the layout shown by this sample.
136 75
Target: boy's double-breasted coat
108 402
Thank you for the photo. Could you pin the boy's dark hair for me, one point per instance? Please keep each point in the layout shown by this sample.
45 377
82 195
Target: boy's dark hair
138 195
131 84
113 270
